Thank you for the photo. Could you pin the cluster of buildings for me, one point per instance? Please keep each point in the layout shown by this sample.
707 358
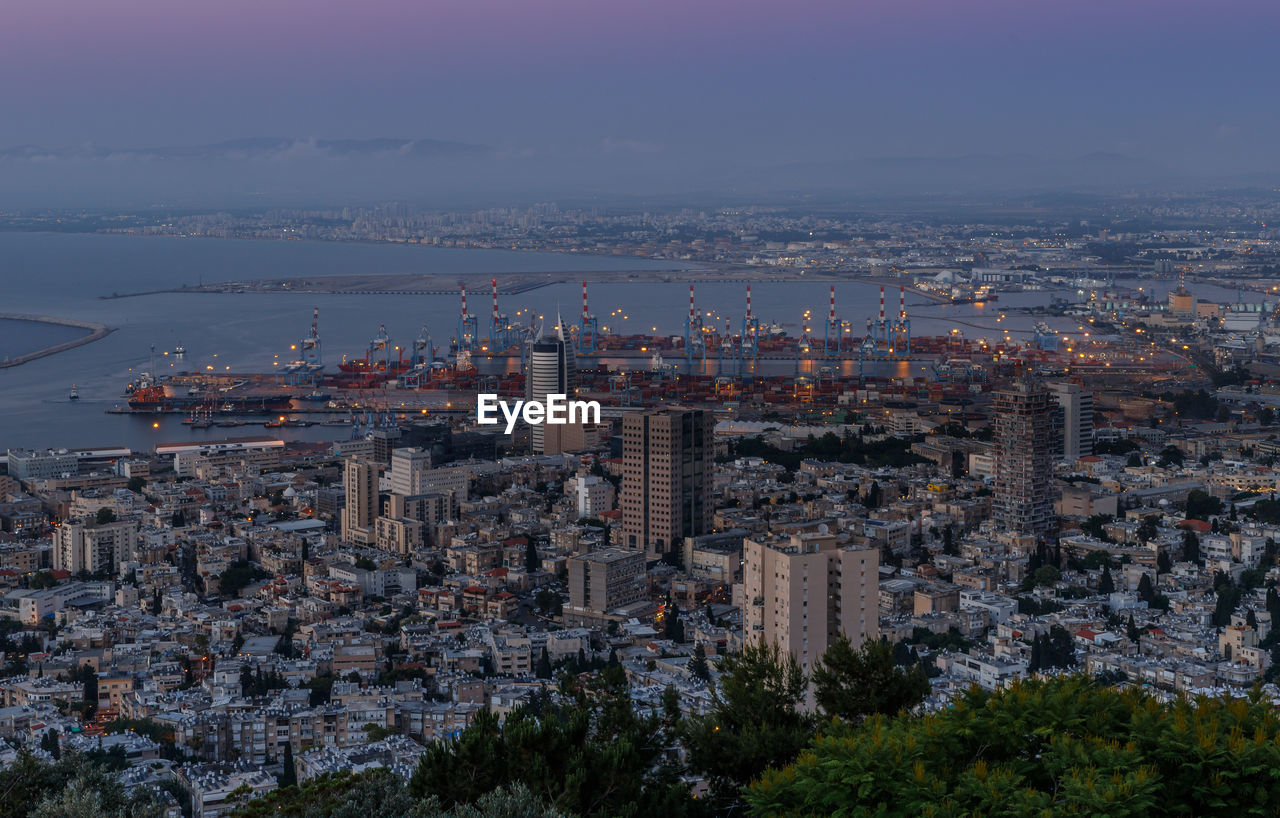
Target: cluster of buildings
230 615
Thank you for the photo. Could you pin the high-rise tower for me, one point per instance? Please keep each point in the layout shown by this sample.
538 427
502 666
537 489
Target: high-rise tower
1026 444
667 474
1076 403
360 481
553 370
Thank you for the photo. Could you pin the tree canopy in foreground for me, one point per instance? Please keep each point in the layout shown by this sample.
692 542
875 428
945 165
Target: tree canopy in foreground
1063 746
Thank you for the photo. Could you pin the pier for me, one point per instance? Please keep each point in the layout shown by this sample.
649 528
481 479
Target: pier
96 333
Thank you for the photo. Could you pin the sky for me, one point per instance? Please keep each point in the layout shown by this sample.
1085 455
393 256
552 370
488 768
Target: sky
608 94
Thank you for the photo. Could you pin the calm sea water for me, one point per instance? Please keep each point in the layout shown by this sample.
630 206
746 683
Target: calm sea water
21 337
64 275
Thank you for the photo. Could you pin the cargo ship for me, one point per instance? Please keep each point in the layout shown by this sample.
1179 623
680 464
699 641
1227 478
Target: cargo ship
155 398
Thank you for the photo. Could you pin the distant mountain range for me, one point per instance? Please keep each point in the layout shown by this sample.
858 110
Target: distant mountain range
916 174
315 171
261 147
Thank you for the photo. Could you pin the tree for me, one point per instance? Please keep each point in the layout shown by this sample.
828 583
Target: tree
874 496
179 519
50 744
1228 599
755 721
1190 546
672 627
1106 584
1201 505
543 670
379 793
237 576
1145 591
531 561
1163 564
288 773
106 515
698 668
137 484
1045 575
1058 746
77 785
853 683
591 755
949 541
1149 528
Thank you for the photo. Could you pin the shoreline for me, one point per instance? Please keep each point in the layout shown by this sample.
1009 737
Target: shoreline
514 283
96 333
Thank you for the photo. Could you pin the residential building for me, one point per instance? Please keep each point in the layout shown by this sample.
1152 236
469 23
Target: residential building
360 481
803 591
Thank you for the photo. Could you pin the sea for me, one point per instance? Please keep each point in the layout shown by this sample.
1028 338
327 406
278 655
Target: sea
67 275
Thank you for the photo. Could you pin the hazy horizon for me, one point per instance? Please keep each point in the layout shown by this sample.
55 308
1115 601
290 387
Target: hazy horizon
118 103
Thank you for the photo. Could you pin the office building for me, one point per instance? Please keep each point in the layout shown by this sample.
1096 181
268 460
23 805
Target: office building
1026 443
1076 404
25 464
801 592
553 370
360 482
667 475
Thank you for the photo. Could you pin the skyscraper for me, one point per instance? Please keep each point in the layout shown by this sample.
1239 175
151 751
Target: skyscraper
667 472
1077 419
553 370
1026 442
360 482
803 591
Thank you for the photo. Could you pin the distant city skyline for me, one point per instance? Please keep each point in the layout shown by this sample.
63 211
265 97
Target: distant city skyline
652 97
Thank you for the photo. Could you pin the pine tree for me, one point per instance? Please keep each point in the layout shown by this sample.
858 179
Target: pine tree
1106 585
1131 630
288 775
1190 546
672 627
1163 564
1037 655
1145 591
543 670
698 668
531 561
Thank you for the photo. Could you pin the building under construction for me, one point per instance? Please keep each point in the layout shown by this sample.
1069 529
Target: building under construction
1026 442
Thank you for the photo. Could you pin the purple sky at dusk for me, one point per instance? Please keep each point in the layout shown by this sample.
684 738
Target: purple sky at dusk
1187 84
